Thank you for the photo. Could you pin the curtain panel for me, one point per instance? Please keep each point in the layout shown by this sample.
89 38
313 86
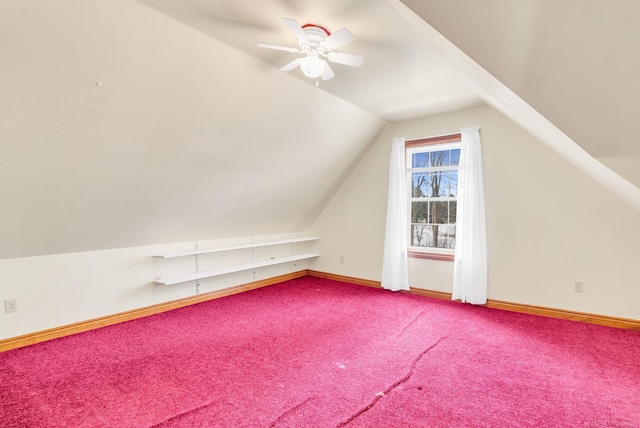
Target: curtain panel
395 272
470 264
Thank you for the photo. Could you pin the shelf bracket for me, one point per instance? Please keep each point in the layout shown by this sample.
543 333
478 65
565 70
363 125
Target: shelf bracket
253 256
197 270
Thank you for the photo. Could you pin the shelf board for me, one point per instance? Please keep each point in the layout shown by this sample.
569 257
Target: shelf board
231 269
234 247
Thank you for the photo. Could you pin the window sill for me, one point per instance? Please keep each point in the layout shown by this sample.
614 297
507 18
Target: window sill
431 256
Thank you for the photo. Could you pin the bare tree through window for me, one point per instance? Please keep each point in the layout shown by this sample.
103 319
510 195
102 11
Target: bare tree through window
433 174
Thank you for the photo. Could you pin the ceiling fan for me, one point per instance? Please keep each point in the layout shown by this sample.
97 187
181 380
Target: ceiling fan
317 43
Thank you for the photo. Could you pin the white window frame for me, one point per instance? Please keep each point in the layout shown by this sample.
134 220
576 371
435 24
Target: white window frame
446 142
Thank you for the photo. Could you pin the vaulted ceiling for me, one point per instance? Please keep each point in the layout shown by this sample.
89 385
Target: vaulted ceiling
575 61
135 122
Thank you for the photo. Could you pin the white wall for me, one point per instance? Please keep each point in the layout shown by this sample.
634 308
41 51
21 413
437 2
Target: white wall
63 289
548 224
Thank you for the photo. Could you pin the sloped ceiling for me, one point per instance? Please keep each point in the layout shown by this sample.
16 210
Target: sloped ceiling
128 123
576 62
121 127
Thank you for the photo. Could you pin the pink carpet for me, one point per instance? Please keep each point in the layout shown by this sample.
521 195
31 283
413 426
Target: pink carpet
318 353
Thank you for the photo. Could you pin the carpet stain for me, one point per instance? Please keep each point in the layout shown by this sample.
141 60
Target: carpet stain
288 412
396 384
410 323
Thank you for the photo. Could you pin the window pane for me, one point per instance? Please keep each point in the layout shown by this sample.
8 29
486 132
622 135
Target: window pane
449 184
445 158
429 183
439 158
420 235
421 185
455 157
446 235
419 212
419 160
435 183
433 236
439 212
453 208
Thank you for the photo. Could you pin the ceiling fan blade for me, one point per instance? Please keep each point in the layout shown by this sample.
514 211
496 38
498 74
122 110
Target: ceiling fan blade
337 39
280 48
293 64
346 59
328 72
295 28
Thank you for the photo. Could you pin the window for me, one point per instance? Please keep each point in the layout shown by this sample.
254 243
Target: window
432 183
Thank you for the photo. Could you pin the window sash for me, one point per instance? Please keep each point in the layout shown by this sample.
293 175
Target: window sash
430 145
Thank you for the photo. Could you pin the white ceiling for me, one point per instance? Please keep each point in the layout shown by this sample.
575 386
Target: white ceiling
574 61
402 76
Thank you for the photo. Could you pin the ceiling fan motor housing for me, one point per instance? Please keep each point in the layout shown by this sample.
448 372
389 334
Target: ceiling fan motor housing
315 35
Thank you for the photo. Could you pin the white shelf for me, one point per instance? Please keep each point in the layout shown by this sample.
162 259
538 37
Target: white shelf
237 268
234 247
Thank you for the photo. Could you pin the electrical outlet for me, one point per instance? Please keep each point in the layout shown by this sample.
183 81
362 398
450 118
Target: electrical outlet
578 286
341 259
10 306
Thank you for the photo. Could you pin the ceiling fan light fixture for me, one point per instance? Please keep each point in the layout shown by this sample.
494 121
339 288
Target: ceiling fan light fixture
312 66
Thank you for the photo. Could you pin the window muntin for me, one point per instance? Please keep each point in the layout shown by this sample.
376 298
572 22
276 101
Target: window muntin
432 183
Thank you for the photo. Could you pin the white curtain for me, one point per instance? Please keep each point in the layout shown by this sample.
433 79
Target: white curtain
470 265
395 275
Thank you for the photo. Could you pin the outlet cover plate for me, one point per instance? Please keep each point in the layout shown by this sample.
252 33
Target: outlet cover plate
10 306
